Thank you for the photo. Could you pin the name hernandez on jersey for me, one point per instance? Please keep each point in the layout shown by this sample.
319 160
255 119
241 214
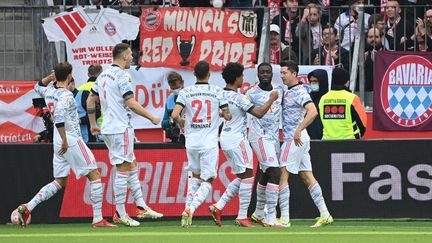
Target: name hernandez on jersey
201 104
293 112
234 131
112 85
63 109
90 35
268 126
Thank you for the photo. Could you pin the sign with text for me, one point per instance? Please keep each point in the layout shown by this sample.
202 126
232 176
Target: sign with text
180 37
403 91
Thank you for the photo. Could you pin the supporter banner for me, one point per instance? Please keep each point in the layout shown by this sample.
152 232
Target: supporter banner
403 91
180 37
151 86
163 181
19 122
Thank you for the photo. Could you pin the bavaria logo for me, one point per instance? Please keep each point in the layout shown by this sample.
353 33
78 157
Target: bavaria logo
150 19
110 29
406 95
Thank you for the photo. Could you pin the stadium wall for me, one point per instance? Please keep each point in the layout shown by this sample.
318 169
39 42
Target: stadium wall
360 179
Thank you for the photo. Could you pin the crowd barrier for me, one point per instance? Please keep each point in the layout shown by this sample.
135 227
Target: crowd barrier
360 179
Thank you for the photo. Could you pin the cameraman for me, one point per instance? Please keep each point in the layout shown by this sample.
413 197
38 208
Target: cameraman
172 131
46 136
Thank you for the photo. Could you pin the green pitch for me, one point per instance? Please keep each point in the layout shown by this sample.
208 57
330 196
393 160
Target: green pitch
204 231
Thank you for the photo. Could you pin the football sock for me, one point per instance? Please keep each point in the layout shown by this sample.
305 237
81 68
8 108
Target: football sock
284 195
44 194
272 191
316 194
193 186
200 195
96 197
120 189
245 192
230 192
135 187
261 201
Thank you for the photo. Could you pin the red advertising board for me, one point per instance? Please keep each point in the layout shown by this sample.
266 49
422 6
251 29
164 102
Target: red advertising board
163 182
180 37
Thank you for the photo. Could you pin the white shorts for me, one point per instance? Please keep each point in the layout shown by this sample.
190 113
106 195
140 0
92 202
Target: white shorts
267 153
240 158
294 158
203 162
78 157
121 146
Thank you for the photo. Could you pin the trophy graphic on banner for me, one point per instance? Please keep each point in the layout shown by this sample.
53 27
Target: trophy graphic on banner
185 48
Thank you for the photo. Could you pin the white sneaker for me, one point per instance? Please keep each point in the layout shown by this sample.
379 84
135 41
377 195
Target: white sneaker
126 220
148 213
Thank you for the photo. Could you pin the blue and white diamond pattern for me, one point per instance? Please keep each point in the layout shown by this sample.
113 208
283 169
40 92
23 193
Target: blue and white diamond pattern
410 102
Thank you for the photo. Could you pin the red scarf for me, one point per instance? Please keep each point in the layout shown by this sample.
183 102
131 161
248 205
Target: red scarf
288 36
274 8
274 55
392 27
328 56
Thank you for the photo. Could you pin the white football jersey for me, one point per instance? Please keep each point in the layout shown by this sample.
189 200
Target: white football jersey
112 85
268 126
63 109
90 35
201 104
234 131
294 100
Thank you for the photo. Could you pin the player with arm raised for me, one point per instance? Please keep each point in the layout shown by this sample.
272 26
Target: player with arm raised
70 151
235 145
201 102
114 89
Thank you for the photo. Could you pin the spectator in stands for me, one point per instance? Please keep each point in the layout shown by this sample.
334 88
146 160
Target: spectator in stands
378 21
278 49
330 53
341 112
398 30
81 101
309 31
422 37
172 130
318 80
288 21
324 9
347 24
373 45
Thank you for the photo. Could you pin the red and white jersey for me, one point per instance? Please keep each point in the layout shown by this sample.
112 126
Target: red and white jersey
90 35
112 86
201 104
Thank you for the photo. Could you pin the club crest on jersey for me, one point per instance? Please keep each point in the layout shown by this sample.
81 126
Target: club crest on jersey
248 23
406 95
110 29
150 19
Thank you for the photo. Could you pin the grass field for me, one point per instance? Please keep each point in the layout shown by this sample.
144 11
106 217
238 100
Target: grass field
204 231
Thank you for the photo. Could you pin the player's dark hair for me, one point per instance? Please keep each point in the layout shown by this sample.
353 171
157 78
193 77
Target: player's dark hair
174 76
62 70
118 50
264 64
232 71
201 70
291 65
94 70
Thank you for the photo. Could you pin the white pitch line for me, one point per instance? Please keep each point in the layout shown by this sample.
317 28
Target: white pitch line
188 234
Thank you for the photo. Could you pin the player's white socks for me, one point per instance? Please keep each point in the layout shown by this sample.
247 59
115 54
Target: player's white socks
272 192
245 192
96 197
44 194
261 201
120 189
284 195
230 192
135 187
192 188
200 196
316 194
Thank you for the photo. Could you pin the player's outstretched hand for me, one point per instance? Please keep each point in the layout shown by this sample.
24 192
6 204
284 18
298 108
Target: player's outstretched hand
155 120
274 95
95 131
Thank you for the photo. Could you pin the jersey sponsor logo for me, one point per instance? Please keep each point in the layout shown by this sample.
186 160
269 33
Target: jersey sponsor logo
71 25
152 19
334 112
110 29
93 30
406 91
